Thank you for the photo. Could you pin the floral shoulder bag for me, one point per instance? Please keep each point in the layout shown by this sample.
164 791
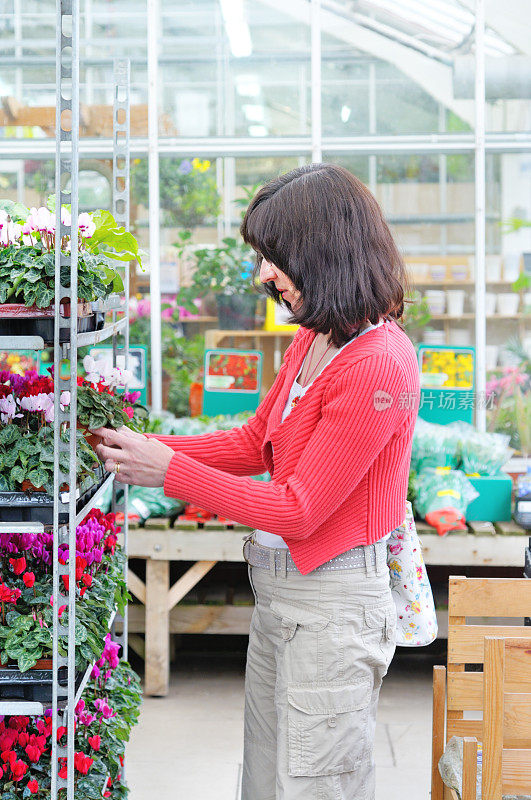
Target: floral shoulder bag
410 586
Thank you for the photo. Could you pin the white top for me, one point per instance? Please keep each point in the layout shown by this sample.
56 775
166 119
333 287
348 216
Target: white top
271 539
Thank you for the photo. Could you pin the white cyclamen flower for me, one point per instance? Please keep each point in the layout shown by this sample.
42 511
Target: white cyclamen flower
86 225
96 370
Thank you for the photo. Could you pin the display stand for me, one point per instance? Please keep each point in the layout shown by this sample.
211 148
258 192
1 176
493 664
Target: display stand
66 341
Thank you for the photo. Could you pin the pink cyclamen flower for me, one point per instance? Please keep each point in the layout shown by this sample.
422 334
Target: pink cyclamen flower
129 411
104 708
86 225
8 409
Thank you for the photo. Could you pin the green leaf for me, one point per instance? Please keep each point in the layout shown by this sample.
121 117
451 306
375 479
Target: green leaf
38 477
17 474
44 296
17 211
33 275
9 434
27 659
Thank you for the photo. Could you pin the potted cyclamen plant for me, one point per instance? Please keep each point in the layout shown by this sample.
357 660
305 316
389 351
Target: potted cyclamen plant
102 404
27 265
26 602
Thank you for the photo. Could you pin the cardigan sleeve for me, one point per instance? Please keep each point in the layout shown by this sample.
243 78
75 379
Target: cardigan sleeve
238 450
357 421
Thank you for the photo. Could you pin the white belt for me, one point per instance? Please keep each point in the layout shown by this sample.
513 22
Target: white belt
257 555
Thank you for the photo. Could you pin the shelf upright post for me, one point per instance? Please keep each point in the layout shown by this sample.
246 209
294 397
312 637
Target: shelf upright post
66 170
120 209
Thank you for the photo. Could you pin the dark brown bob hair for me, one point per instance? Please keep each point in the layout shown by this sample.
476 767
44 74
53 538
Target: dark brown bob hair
321 226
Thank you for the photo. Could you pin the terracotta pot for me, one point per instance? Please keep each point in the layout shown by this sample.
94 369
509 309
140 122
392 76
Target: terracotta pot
91 438
42 663
27 486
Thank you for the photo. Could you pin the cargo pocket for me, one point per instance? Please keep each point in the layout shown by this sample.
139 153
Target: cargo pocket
327 727
292 616
379 634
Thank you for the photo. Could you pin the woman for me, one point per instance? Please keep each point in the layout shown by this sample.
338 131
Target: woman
335 433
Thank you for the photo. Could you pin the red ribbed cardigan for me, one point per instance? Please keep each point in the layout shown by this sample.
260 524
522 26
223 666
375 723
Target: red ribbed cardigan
340 460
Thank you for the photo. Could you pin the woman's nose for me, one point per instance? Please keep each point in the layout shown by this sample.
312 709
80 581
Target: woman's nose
267 273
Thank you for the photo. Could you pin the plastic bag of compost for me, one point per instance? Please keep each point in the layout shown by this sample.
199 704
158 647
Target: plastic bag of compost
442 498
168 425
434 446
485 453
146 502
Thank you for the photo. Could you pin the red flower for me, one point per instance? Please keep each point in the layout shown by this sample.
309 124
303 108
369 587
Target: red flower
95 742
87 580
8 595
82 763
63 772
61 730
33 753
66 581
9 757
18 564
18 770
33 786
23 738
29 579
81 565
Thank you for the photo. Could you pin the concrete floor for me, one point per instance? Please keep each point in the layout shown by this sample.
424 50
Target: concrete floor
188 746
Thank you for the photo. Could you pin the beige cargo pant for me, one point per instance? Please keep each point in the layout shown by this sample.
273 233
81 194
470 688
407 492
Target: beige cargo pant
319 647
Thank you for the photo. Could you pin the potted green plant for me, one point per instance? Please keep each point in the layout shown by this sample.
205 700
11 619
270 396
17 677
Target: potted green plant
225 270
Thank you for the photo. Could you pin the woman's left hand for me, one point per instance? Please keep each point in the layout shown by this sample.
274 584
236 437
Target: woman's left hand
139 461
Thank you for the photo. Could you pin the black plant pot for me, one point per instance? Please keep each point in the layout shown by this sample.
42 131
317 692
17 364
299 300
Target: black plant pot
236 311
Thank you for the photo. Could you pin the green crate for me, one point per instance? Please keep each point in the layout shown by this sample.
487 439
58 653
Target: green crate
494 501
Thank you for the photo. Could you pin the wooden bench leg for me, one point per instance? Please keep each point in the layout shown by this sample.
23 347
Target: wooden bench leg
157 660
439 706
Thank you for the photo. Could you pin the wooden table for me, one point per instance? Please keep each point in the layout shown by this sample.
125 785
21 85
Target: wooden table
483 545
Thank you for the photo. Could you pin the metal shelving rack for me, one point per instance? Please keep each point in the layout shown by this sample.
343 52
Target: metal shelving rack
67 163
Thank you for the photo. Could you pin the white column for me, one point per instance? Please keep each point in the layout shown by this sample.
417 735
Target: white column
315 44
481 325
153 16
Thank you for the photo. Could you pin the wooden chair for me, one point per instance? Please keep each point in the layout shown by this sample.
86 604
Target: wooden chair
456 691
506 757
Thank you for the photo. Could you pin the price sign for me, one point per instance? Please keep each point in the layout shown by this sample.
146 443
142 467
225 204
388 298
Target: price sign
232 381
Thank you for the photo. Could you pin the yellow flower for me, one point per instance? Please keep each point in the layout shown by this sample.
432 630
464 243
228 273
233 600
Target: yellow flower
136 161
196 164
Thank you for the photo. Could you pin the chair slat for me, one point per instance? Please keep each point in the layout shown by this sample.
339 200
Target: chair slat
493 718
465 727
488 597
517 720
516 772
517 655
465 691
465 642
